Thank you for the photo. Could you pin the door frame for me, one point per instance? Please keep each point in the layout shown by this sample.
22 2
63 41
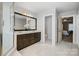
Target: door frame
45 24
74 26
54 40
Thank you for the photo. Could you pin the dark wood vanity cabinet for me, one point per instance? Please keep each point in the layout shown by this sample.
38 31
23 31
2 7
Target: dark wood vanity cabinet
25 40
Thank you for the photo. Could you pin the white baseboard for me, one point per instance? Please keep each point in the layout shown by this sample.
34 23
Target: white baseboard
8 54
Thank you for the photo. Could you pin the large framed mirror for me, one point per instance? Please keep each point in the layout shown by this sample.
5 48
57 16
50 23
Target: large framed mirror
24 22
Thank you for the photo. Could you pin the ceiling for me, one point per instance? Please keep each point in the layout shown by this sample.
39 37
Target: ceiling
38 7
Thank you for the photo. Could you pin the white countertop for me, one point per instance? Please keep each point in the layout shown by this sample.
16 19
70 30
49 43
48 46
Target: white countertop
25 32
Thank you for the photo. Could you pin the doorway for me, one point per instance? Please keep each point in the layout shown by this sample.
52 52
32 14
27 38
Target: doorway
48 29
67 29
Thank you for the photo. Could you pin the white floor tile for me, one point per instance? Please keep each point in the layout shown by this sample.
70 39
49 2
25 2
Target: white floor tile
40 49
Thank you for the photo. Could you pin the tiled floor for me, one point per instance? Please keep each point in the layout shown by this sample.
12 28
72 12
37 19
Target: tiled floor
40 49
15 53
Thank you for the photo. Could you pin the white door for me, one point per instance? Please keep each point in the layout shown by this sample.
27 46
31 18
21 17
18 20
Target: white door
7 27
48 27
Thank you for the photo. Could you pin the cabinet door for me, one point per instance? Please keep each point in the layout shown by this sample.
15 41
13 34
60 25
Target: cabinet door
37 36
26 40
19 42
7 42
32 41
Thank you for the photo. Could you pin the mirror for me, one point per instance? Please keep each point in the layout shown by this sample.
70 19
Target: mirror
23 22
20 21
30 23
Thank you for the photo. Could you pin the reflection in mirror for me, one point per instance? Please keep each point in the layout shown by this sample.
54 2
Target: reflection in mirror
30 23
20 21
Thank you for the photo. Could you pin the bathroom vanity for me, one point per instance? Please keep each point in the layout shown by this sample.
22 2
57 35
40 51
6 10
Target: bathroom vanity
26 38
